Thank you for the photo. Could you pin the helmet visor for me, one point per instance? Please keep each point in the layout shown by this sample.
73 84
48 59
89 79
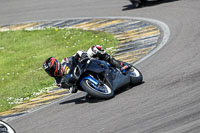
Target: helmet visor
52 69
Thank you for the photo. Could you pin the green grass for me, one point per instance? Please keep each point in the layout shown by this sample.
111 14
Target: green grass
22 54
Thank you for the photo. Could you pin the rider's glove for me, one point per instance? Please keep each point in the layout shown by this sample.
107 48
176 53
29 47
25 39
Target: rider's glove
81 56
84 58
59 85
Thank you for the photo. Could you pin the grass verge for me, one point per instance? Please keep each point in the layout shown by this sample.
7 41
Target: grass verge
22 54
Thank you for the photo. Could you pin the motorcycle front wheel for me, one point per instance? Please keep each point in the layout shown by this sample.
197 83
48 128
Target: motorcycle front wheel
97 90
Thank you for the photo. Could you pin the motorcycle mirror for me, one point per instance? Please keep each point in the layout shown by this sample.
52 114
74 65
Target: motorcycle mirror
5 128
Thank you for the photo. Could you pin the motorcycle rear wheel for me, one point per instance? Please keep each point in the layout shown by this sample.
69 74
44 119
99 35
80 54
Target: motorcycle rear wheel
136 76
103 92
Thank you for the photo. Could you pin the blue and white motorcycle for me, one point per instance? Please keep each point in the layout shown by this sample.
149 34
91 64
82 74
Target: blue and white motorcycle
100 80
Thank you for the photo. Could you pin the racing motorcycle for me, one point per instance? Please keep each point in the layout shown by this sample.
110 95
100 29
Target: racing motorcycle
139 3
99 79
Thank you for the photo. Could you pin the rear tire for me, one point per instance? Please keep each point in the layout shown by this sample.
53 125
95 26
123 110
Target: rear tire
136 76
86 85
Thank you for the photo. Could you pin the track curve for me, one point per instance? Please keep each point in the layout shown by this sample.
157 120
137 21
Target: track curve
168 101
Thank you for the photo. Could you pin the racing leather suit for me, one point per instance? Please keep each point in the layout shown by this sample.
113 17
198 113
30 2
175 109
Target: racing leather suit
92 52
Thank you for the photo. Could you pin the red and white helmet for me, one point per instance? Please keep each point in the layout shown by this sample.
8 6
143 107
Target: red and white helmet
95 50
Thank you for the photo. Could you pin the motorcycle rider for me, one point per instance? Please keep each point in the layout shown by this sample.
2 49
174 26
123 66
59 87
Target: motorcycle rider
60 70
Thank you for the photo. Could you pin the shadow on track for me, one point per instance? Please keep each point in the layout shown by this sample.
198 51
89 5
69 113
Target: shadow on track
147 4
83 99
127 88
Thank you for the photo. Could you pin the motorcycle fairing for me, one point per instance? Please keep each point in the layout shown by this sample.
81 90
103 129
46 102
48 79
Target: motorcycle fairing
91 79
112 75
97 66
118 79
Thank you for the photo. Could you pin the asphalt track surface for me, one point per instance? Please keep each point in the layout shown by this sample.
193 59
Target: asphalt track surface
168 101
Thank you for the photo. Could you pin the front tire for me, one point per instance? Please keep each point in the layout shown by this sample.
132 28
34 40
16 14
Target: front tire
100 92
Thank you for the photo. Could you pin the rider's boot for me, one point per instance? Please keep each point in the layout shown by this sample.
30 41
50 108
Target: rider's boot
73 89
125 67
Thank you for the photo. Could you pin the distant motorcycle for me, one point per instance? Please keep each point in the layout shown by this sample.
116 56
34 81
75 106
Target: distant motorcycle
139 3
99 79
